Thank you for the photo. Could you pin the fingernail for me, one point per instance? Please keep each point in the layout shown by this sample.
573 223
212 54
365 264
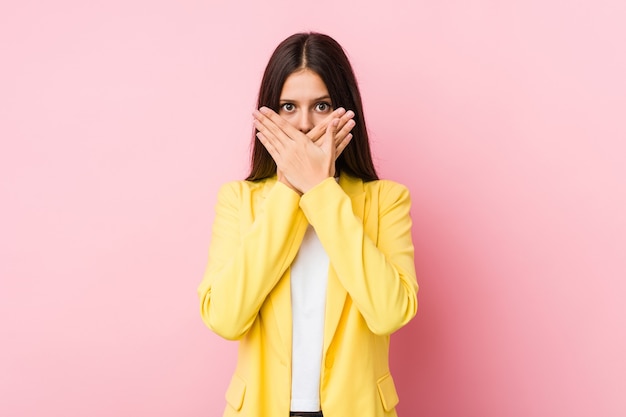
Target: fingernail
264 110
341 111
350 113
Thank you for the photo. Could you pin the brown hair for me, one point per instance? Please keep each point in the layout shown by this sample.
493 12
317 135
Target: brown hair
324 56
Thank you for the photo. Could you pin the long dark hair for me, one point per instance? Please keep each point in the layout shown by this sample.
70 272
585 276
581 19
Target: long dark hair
324 56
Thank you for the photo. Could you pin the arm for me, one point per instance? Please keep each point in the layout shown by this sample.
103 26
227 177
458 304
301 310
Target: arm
244 267
379 276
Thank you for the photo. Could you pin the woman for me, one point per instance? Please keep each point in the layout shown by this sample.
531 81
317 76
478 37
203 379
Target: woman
311 260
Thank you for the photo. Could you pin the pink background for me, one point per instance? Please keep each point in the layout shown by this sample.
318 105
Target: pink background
506 119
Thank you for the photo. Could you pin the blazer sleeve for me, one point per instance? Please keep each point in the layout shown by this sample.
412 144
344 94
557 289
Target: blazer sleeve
379 276
244 265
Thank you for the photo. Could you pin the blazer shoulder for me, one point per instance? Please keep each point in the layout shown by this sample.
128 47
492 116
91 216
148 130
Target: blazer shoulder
237 188
387 189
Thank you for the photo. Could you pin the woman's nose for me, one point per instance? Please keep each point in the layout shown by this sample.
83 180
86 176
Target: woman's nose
305 122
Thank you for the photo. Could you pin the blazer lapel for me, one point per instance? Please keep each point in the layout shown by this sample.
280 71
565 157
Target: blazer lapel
335 292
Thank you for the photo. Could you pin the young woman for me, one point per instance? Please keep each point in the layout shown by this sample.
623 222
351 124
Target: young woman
311 259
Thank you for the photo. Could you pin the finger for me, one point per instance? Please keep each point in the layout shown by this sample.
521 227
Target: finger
345 125
271 149
270 130
345 118
267 136
278 125
342 145
318 131
327 144
344 130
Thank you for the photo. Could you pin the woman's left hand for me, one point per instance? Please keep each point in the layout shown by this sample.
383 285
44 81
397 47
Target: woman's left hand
303 163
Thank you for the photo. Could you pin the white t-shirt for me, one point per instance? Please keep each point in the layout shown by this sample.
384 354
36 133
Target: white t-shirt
309 276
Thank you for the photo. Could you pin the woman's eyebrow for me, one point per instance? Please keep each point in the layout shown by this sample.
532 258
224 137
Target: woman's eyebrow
326 97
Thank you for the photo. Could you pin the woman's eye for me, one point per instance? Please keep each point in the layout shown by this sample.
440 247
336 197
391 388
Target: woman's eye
323 107
288 107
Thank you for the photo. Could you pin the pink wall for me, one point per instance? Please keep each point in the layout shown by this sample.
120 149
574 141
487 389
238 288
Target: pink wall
120 119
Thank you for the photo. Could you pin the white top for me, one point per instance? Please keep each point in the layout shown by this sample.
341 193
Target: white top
309 276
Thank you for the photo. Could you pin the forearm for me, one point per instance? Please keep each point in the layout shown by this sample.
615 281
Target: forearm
244 267
379 276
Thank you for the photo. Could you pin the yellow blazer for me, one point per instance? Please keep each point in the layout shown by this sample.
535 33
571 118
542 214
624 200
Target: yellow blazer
365 229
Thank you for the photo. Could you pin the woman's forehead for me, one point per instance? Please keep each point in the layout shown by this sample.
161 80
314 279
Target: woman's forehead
304 85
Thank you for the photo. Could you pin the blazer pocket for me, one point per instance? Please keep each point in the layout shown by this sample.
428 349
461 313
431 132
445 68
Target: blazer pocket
236 392
387 391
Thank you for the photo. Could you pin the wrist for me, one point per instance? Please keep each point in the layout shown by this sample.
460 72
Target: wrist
284 181
310 185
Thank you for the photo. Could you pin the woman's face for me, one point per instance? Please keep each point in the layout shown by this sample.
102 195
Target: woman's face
304 100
